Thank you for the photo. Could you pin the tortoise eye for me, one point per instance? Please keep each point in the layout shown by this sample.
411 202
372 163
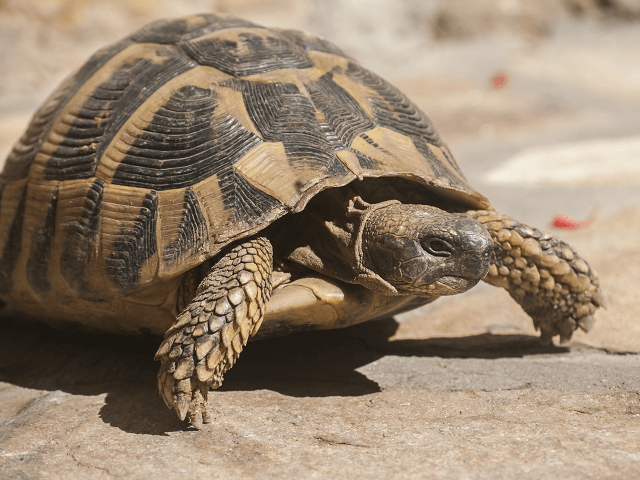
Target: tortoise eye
437 247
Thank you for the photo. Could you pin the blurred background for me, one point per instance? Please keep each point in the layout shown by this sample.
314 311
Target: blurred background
538 99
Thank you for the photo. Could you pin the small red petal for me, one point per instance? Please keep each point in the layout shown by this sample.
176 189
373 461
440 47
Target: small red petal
564 221
500 80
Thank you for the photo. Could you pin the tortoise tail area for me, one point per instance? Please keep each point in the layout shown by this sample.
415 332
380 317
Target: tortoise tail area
545 275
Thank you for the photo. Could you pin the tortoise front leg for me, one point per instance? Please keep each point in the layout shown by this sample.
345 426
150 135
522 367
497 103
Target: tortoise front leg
545 275
209 334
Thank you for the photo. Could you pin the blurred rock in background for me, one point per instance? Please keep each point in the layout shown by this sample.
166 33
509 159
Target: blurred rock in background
41 41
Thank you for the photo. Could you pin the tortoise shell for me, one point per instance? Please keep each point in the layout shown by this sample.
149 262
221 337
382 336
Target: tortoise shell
188 135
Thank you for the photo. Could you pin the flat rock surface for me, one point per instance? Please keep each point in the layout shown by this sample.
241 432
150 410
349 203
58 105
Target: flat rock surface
342 403
458 389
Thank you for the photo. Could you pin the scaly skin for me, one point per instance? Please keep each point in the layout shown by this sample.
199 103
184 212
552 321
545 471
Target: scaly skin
545 275
209 334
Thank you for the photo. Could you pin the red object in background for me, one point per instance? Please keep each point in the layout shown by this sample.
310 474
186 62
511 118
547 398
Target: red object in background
500 80
565 221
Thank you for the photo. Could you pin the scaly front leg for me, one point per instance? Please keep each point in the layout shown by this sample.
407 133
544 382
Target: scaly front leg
545 275
209 334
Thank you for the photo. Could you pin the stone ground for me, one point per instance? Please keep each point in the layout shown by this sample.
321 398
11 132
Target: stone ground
458 389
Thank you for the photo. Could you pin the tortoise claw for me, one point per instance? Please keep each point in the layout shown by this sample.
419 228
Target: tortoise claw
587 323
546 336
197 407
182 405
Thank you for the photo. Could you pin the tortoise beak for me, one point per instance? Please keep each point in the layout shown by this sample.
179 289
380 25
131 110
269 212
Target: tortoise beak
475 246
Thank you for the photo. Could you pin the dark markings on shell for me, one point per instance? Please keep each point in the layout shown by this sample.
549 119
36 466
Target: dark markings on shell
249 204
310 42
193 230
135 244
342 112
13 246
41 240
394 110
451 160
19 160
373 143
440 170
249 54
108 108
332 139
366 162
282 114
79 244
337 169
187 141
188 28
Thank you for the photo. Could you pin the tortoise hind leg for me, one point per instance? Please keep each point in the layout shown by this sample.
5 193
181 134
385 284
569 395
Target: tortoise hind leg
209 334
545 275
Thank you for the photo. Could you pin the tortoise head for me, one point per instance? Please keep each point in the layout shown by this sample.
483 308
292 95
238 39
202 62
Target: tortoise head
424 251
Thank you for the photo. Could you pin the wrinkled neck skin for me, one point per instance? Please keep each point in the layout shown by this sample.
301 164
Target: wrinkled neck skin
424 251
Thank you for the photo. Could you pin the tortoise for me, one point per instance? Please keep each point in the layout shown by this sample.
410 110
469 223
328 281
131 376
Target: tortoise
210 179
